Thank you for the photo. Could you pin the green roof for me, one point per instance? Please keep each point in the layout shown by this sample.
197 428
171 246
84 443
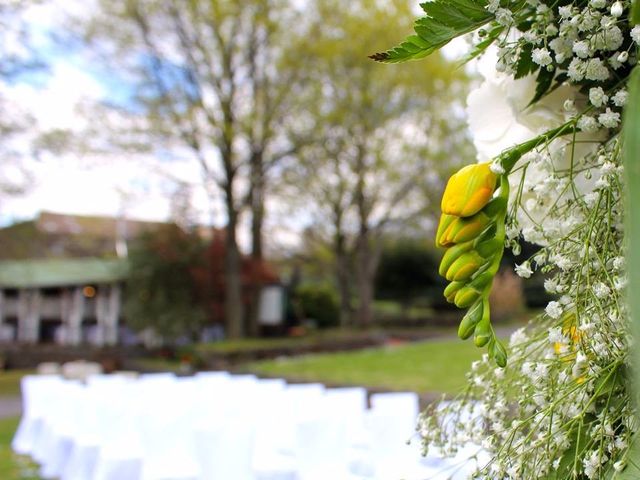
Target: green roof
61 272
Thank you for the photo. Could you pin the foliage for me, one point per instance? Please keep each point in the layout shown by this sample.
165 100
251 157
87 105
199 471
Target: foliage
406 271
372 168
445 20
162 293
319 303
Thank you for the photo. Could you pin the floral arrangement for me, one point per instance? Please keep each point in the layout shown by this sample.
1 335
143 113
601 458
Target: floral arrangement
547 125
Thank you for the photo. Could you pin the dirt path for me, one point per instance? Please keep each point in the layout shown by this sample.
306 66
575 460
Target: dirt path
10 407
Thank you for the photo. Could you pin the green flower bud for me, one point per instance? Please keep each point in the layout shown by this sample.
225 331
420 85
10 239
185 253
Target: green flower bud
451 290
498 353
470 320
483 332
489 248
451 255
466 296
465 266
460 229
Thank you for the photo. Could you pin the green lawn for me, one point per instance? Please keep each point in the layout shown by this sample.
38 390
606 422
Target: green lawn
431 366
13 467
10 382
313 338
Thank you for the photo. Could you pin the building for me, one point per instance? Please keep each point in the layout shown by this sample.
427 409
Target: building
62 279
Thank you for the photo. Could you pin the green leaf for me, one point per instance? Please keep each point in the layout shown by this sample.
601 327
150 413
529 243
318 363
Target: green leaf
631 153
445 20
543 82
525 65
635 13
480 48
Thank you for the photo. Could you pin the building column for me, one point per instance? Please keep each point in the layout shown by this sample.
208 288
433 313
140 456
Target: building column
29 315
74 316
112 315
102 306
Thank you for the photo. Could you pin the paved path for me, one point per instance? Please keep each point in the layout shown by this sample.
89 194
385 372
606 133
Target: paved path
10 407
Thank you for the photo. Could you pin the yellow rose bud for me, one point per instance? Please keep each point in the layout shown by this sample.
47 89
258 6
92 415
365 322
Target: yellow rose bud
468 190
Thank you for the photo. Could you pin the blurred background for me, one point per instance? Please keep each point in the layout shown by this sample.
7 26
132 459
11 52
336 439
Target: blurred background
231 186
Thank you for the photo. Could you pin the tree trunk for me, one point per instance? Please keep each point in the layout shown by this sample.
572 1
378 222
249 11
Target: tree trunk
256 201
342 280
233 286
364 280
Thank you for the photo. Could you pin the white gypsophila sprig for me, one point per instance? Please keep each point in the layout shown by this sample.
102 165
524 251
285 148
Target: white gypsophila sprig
565 382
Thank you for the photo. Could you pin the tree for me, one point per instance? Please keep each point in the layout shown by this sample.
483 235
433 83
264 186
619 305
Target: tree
163 293
377 131
17 57
407 269
210 76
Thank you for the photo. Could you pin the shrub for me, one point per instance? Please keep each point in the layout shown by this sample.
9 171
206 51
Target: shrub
320 303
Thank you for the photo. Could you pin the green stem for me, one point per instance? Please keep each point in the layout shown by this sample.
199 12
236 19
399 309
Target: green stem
509 158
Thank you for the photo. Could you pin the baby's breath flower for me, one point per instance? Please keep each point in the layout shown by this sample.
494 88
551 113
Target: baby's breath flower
597 97
581 49
541 56
616 9
609 119
588 124
504 17
553 309
524 270
596 70
620 98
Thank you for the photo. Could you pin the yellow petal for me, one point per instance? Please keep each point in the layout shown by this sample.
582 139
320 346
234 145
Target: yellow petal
469 190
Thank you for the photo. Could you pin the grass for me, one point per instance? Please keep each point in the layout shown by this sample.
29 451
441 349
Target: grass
13 467
431 366
10 383
247 344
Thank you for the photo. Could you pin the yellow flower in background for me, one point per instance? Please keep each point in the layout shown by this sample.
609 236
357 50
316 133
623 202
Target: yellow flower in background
469 190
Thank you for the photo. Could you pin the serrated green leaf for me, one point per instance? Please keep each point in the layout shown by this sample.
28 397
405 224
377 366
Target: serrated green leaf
543 82
525 65
445 20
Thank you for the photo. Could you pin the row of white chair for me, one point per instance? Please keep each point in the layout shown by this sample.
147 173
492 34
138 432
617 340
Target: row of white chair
217 426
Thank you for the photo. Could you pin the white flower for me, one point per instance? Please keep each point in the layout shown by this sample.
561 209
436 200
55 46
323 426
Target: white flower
576 70
504 17
493 6
620 98
616 9
618 263
524 270
601 290
565 11
554 310
596 70
635 34
556 336
497 168
588 124
598 4
581 49
623 57
609 119
597 97
541 56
